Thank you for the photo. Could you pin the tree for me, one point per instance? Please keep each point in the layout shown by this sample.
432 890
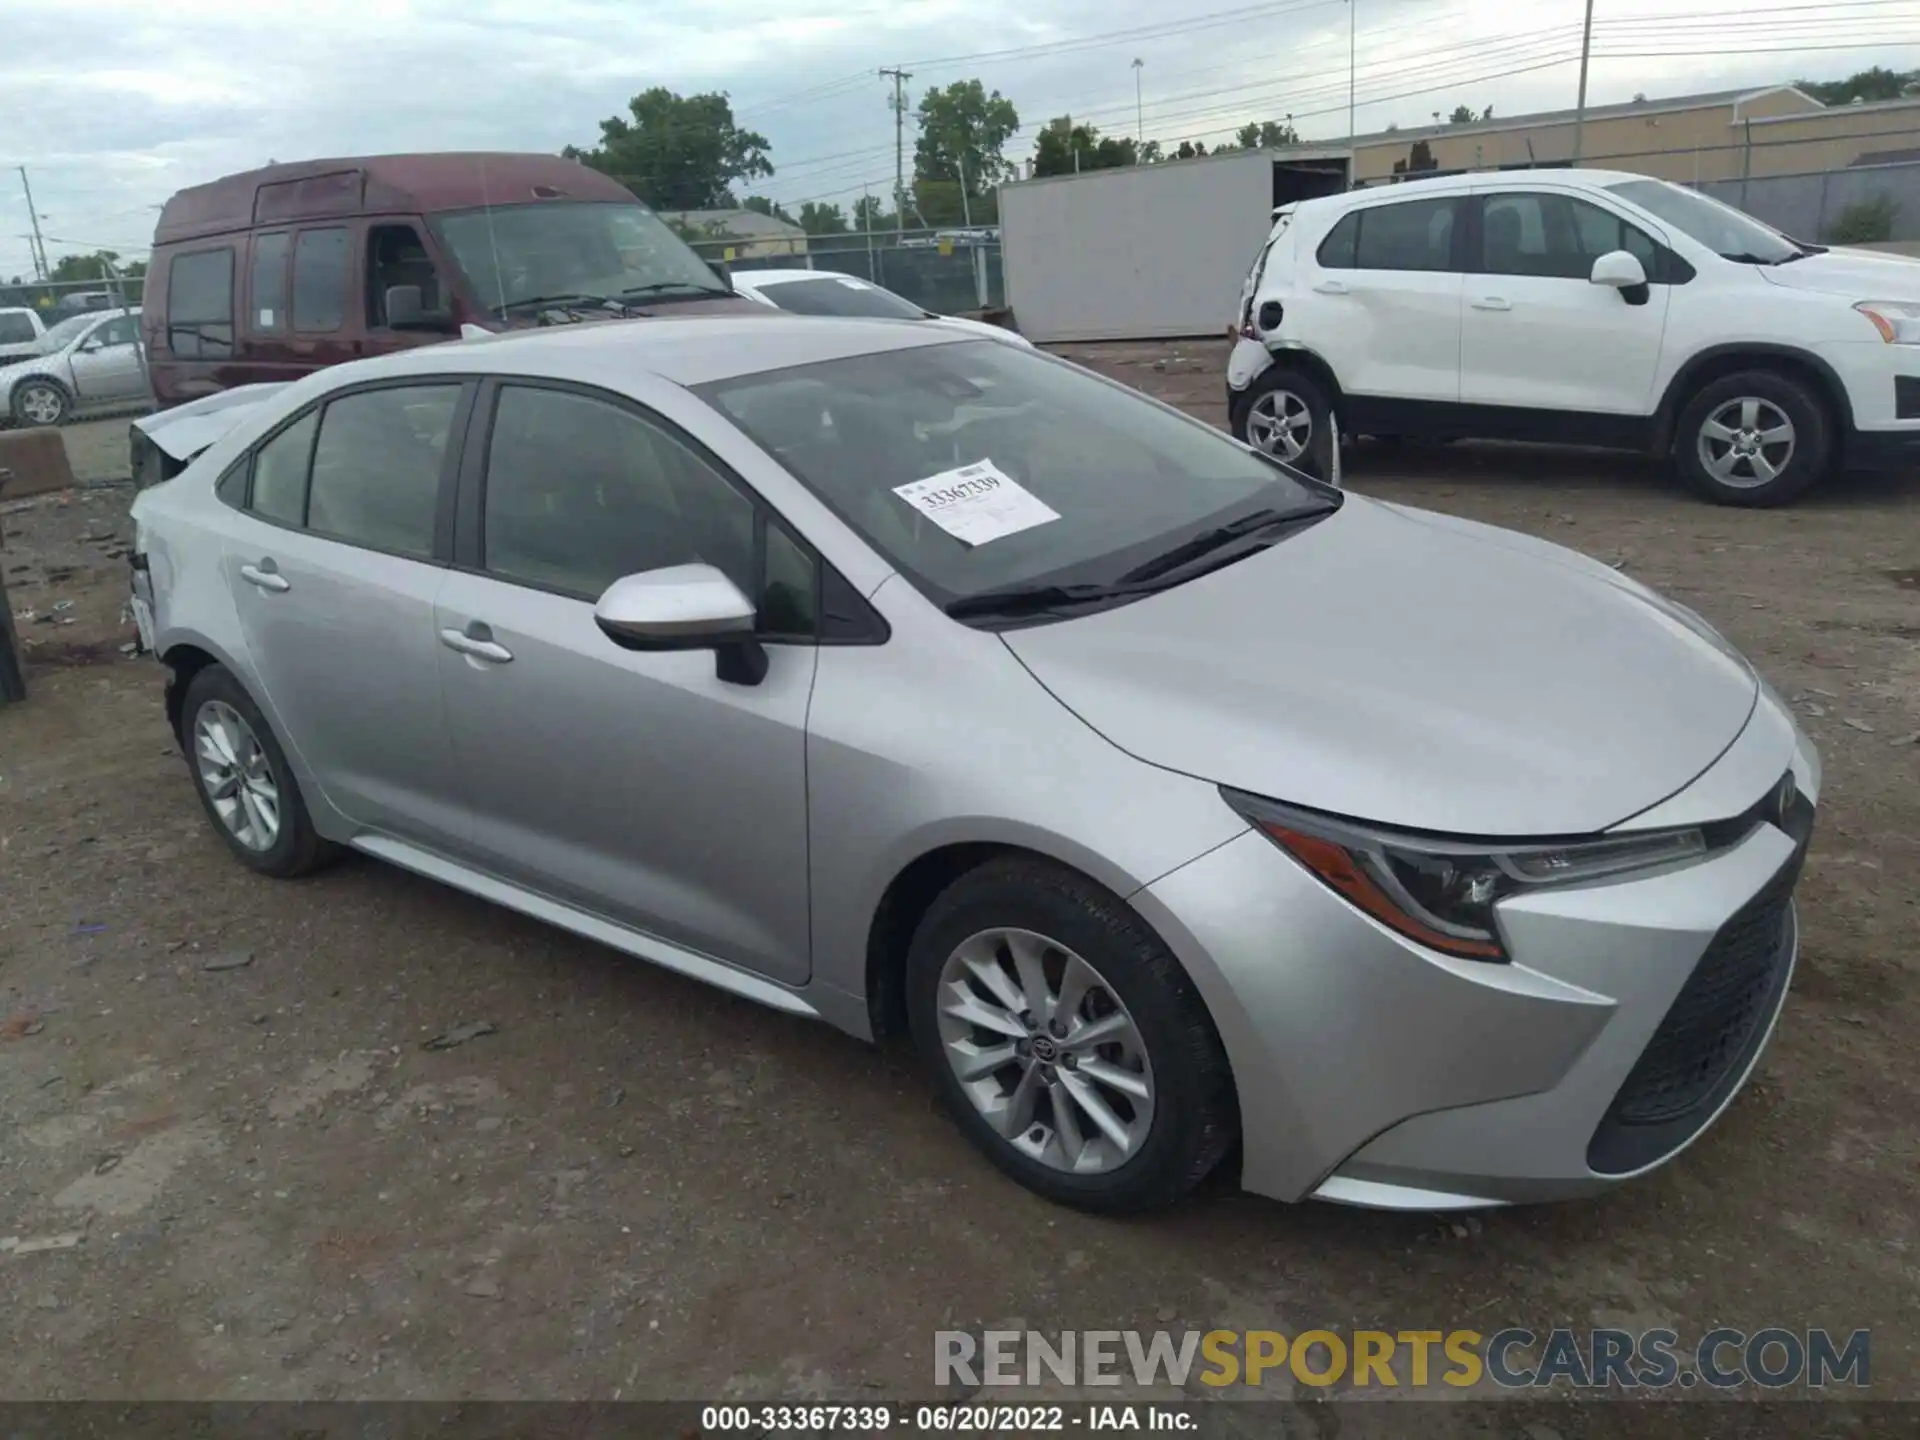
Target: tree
761 205
69 268
1150 153
1267 135
1879 83
677 152
819 219
1065 147
870 215
1462 115
1189 151
963 135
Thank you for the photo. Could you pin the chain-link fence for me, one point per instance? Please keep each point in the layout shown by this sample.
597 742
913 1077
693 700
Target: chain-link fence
58 299
949 272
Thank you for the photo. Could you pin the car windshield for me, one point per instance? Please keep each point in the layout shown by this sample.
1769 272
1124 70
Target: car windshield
840 295
511 254
58 337
978 467
1724 230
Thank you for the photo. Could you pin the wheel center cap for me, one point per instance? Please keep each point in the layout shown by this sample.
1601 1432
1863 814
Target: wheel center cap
1044 1049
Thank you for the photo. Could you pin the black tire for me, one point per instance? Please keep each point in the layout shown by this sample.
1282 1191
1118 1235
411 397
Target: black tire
1271 388
1801 461
1195 1118
298 848
51 388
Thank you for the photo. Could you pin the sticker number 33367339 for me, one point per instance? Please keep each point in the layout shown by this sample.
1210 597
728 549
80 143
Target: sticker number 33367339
977 503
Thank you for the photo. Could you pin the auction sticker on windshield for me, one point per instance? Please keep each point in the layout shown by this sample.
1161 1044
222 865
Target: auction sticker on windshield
976 503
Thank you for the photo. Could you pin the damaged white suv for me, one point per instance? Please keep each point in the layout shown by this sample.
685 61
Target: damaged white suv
1583 307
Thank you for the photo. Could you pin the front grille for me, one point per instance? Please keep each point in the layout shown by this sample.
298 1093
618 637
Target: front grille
1714 1028
1716 1013
1906 397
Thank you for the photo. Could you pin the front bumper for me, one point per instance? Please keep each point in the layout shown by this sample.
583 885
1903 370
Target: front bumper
1375 1072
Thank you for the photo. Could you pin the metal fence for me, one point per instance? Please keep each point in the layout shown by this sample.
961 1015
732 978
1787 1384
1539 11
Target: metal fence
950 273
57 299
1817 206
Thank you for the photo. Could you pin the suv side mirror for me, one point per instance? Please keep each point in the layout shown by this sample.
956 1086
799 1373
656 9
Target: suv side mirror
685 607
1622 270
405 311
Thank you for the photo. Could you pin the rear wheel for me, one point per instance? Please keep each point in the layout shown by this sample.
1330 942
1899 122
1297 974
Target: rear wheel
40 402
1066 1040
1287 414
245 784
1756 438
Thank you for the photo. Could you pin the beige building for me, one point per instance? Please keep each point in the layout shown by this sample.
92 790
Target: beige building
1729 135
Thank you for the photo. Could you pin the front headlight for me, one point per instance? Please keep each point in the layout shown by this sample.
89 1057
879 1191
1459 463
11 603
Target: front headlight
1898 321
1440 892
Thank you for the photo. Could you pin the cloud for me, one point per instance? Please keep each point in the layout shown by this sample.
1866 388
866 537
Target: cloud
115 104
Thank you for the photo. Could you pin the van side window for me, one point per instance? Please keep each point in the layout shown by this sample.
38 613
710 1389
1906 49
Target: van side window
268 315
396 256
320 262
200 304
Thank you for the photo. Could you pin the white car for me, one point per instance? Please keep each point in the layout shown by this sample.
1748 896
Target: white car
823 292
1584 307
87 362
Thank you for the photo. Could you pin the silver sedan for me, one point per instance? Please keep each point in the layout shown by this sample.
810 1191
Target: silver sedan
88 362
1175 806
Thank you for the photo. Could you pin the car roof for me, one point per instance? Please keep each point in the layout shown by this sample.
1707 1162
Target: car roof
1414 186
687 350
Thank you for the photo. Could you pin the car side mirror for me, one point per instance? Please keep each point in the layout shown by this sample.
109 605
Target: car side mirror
685 607
407 311
1621 270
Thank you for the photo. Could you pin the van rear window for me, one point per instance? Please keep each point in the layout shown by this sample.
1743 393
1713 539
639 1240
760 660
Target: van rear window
200 304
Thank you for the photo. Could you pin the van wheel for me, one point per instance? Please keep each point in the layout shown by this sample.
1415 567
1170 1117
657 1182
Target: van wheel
1287 415
40 402
1757 438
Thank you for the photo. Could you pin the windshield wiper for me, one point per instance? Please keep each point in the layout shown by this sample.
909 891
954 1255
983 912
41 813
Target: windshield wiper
1016 600
1218 538
692 289
559 302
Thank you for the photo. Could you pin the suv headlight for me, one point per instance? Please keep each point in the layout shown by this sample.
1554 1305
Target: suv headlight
1898 321
1442 892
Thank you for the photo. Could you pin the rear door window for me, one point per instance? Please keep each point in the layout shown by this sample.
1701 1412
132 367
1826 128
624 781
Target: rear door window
200 304
320 265
377 465
1413 235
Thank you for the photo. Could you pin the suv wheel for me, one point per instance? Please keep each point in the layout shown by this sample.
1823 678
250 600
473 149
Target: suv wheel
1066 1040
244 781
40 402
1756 438
1287 415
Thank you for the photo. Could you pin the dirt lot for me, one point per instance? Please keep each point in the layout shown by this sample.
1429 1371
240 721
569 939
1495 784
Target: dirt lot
639 1187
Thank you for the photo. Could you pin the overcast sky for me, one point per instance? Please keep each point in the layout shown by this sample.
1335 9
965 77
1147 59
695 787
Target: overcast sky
114 104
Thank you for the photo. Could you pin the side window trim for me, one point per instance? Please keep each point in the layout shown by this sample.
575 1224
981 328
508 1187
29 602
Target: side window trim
450 464
467 547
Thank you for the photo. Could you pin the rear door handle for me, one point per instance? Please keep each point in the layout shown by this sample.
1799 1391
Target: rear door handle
480 647
266 575
1330 287
1491 302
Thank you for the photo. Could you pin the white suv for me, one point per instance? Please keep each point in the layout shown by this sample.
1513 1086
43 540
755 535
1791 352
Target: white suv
1584 307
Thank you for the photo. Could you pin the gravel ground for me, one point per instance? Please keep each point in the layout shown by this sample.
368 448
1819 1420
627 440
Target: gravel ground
635 1186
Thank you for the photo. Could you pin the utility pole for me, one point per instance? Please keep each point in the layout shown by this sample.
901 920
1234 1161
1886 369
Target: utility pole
40 268
966 208
899 102
1139 120
1353 41
1580 110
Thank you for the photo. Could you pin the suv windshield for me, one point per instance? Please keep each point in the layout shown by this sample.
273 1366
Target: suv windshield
515 253
840 295
979 467
1724 230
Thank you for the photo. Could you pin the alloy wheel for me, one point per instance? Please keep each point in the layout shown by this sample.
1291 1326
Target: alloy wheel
1280 423
237 776
1046 1051
42 405
1746 442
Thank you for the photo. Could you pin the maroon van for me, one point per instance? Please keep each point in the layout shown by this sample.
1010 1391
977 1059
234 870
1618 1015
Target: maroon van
272 273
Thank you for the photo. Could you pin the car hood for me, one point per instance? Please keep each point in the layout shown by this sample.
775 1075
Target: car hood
185 430
982 327
1414 670
1856 274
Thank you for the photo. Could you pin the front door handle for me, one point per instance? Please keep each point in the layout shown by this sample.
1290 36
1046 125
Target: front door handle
1330 287
481 647
266 575
1491 302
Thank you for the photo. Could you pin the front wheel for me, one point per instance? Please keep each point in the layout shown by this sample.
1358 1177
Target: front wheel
1286 414
1066 1040
1756 438
40 402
